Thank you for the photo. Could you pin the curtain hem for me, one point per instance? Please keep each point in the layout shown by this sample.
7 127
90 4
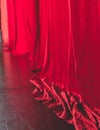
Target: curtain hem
66 105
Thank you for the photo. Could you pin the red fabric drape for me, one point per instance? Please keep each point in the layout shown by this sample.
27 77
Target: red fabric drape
22 25
62 40
4 22
86 30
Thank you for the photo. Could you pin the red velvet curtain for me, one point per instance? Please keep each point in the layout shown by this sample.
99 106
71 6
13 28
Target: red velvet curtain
86 30
4 22
62 41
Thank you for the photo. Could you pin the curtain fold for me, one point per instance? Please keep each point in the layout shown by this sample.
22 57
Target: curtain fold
61 39
22 24
4 23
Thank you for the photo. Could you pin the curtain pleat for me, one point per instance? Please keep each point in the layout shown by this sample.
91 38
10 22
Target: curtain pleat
4 23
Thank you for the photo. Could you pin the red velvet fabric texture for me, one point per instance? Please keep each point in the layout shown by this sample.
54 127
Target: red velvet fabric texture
22 25
62 40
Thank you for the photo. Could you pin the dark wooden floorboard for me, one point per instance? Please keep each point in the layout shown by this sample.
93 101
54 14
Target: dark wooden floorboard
18 110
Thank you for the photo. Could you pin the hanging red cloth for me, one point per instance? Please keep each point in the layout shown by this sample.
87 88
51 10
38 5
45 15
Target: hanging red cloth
86 30
66 60
4 22
62 38
22 25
